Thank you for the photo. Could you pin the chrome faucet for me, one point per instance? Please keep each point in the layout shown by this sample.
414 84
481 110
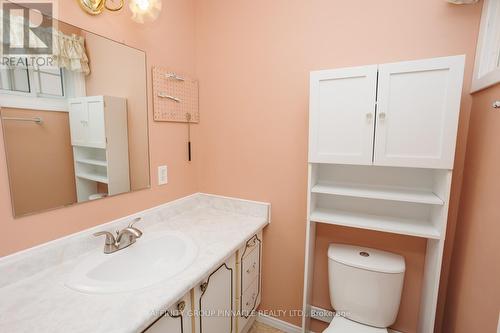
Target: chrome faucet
124 238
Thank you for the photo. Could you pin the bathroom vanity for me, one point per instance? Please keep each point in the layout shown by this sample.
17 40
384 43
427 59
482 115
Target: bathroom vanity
233 288
215 293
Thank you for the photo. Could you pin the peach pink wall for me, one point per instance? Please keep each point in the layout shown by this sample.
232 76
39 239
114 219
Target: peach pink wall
253 60
473 302
50 146
170 42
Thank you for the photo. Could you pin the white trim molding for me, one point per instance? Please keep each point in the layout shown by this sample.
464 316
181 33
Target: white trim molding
278 324
32 103
290 328
74 86
486 69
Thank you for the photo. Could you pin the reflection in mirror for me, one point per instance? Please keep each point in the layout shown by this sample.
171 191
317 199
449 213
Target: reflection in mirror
75 128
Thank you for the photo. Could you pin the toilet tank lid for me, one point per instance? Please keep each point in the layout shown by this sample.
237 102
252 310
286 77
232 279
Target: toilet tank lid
367 258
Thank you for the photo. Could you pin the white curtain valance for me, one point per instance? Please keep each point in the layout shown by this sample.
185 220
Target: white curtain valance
68 50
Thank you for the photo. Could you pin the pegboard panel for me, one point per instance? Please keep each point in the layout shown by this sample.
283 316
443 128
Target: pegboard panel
175 96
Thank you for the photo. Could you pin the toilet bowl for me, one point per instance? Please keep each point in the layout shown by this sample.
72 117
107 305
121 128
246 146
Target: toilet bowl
365 286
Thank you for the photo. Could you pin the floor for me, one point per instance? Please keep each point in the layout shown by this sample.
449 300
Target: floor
261 328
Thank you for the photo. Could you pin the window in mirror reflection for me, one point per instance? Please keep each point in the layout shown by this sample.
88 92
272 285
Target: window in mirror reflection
15 77
33 80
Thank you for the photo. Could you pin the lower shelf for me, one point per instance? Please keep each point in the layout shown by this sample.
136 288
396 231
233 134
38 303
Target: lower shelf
93 176
390 224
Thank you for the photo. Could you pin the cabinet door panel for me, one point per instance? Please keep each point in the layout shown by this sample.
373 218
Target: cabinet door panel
97 132
342 112
176 320
78 120
216 300
417 112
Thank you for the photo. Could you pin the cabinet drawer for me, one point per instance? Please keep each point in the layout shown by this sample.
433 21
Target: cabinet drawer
248 303
249 300
251 245
250 269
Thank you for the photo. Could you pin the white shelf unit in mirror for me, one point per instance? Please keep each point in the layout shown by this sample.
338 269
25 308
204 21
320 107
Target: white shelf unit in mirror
99 135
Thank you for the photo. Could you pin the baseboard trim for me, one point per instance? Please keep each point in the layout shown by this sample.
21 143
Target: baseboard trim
323 315
287 327
278 324
326 316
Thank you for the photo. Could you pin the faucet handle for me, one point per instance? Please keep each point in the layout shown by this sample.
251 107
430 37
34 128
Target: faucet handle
138 233
134 221
110 238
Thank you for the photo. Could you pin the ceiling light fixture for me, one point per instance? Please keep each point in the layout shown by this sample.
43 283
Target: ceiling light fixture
95 7
142 10
462 2
145 10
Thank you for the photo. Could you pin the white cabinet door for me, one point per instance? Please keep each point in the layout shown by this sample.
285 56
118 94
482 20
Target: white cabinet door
87 122
215 301
176 320
96 125
417 112
342 115
78 120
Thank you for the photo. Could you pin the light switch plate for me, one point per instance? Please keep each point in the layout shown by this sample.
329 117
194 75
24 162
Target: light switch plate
162 175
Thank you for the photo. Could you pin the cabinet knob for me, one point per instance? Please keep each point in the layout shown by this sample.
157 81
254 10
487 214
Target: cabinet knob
252 301
251 269
181 306
252 242
369 116
382 115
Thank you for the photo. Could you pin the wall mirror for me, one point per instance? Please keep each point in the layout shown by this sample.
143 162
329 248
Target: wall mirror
75 124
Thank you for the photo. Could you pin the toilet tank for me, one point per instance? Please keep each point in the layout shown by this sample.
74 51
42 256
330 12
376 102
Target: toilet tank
365 284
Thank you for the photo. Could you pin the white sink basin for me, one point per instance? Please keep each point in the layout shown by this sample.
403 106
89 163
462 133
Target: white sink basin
155 257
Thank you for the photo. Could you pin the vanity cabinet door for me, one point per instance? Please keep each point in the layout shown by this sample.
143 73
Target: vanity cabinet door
97 131
249 284
215 301
417 112
87 123
176 320
78 120
342 115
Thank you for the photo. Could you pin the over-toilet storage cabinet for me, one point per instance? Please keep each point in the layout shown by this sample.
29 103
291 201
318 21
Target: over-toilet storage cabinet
224 301
99 136
381 151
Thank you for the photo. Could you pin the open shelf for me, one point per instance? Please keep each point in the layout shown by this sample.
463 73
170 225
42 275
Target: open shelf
93 176
378 192
92 161
403 226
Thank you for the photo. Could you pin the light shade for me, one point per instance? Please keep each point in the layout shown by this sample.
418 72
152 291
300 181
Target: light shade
145 10
462 2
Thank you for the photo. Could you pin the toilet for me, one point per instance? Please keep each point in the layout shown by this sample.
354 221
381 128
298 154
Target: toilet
365 288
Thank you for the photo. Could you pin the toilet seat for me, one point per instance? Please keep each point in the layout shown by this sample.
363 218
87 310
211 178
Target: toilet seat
342 325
